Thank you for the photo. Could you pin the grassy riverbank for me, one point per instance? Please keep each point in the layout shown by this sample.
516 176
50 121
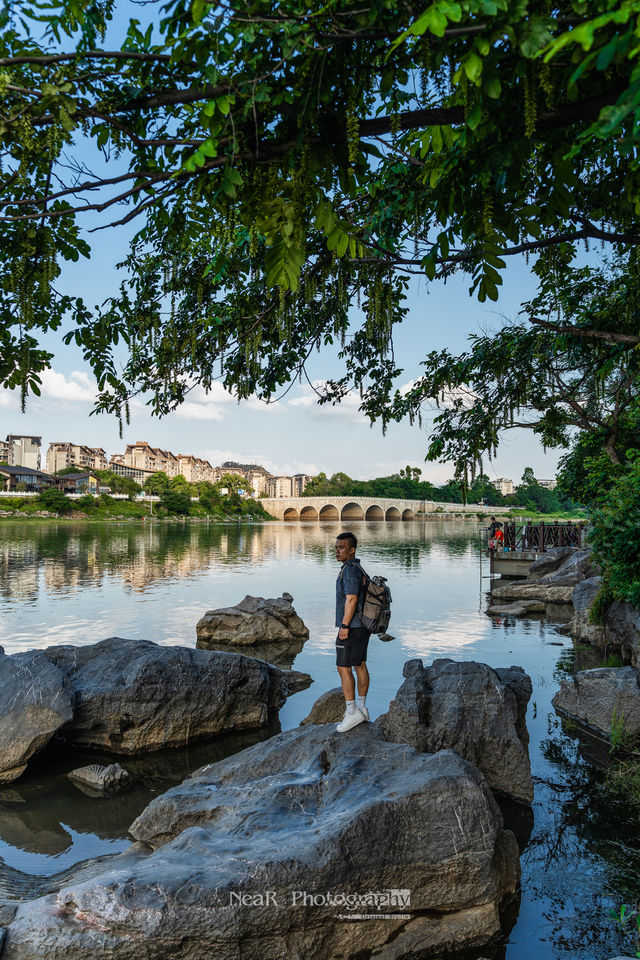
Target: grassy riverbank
106 508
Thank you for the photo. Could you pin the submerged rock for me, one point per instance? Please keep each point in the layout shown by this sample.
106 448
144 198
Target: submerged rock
519 608
33 706
470 708
255 620
532 590
594 697
98 780
133 696
254 856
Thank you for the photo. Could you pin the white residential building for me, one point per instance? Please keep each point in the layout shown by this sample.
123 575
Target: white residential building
548 484
62 455
141 456
504 486
23 451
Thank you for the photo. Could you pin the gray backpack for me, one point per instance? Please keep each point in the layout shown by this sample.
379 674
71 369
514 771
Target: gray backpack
374 603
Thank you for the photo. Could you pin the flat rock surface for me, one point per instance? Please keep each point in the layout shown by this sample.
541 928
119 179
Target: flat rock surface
532 590
593 696
33 706
133 696
473 709
308 813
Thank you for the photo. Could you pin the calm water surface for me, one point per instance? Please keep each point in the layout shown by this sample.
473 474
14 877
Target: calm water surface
75 583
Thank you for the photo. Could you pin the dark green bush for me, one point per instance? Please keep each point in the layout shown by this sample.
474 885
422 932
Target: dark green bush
55 501
615 536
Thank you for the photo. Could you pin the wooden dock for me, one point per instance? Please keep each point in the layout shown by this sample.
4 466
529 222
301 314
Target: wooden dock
524 542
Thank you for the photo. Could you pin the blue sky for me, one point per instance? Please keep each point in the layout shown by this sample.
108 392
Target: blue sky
295 434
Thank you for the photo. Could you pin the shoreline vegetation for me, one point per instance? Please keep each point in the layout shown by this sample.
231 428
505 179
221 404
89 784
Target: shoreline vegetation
105 508
226 500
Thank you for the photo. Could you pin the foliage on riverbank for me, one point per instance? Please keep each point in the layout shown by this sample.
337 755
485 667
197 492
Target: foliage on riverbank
408 484
615 535
106 507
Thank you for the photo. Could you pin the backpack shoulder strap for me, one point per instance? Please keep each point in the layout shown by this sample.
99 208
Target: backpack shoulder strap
352 563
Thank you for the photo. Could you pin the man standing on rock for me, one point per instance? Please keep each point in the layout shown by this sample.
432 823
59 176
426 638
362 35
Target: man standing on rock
353 638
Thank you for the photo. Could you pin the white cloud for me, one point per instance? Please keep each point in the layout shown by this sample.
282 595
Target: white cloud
348 408
77 387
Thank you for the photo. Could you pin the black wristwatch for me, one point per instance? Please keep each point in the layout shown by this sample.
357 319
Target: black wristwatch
344 626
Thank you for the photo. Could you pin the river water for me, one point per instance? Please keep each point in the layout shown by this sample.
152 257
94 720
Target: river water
79 583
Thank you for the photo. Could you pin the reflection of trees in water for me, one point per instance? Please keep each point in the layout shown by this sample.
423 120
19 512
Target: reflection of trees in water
582 841
73 555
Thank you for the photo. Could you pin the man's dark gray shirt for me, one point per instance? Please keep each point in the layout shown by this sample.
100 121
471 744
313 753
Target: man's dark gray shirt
349 581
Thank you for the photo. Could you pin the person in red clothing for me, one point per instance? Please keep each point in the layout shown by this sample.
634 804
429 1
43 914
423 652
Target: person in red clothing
496 536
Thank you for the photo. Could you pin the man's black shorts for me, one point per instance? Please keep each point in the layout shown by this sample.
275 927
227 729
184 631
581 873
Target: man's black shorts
353 651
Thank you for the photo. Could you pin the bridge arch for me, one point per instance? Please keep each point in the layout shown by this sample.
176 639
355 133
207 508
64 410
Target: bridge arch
408 514
329 512
393 514
290 514
308 513
374 512
352 511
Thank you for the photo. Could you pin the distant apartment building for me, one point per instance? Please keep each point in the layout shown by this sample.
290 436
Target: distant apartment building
142 456
504 486
284 486
194 469
279 487
21 451
61 455
548 484
298 483
257 477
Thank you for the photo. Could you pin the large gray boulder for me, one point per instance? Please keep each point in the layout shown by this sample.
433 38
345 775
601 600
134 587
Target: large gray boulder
470 708
254 857
255 620
33 706
620 630
577 567
134 696
549 562
595 697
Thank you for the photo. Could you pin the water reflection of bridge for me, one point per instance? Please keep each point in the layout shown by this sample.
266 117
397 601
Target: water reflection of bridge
362 508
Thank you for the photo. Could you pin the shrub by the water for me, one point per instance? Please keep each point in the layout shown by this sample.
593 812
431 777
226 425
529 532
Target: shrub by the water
615 535
55 501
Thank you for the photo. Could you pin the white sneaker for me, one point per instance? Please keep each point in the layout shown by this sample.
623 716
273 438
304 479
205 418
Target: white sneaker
364 712
350 720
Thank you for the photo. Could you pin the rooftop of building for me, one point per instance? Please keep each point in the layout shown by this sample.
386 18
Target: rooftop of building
23 471
23 436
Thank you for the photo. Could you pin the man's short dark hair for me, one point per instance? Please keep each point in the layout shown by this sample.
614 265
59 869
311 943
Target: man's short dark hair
493 518
351 537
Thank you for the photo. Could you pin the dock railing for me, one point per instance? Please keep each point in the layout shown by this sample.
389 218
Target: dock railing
541 536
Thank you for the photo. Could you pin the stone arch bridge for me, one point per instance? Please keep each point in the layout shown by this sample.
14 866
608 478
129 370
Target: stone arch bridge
362 508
